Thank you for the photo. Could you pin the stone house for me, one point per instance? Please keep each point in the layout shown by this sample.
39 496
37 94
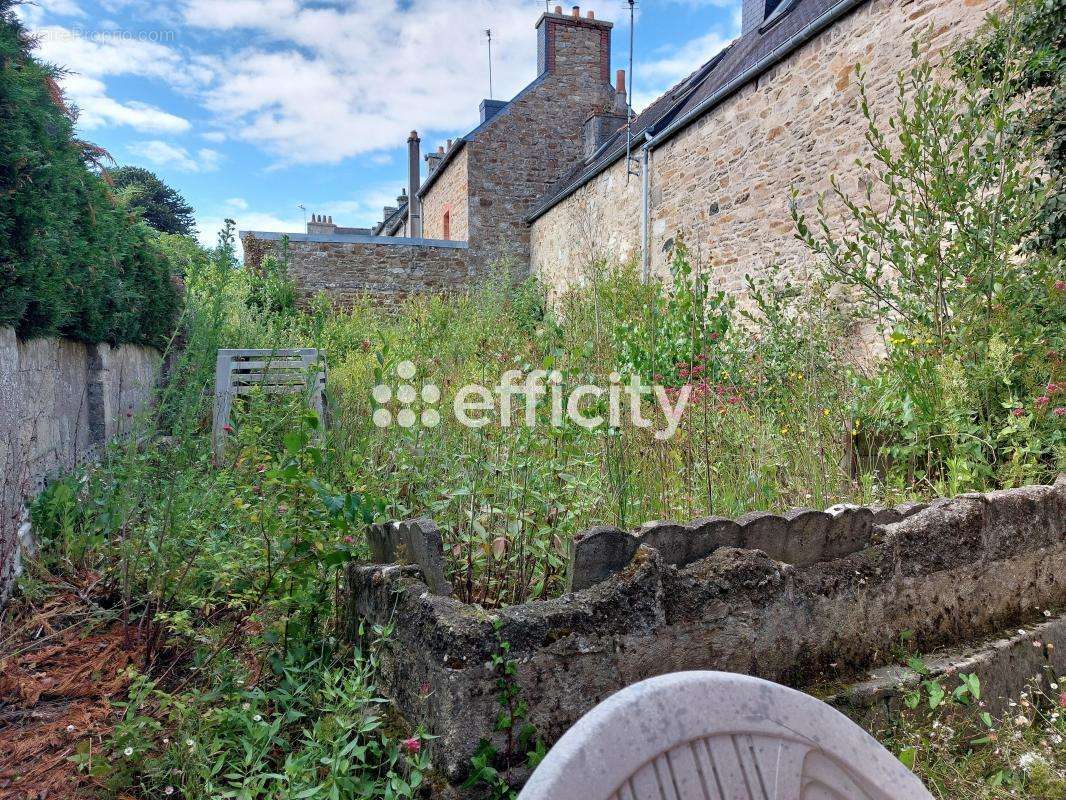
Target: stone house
554 181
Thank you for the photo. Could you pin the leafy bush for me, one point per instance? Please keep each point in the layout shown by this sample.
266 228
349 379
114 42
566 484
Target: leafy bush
935 255
72 260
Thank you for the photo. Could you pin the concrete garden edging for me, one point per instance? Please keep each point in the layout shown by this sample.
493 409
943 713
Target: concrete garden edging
951 573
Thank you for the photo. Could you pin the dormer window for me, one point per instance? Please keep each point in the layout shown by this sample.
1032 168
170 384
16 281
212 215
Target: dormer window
774 11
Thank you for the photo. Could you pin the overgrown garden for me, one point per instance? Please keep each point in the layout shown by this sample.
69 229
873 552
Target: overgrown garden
223 584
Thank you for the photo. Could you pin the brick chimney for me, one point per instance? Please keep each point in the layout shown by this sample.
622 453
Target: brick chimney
414 180
321 224
571 42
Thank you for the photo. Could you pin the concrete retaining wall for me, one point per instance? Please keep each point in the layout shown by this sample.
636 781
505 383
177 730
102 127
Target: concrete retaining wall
59 402
950 573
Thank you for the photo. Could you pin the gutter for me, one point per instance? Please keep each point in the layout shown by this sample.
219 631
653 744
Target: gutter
804 35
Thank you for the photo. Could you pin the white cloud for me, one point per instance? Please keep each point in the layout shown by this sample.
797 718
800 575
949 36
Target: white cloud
164 154
214 136
91 56
209 225
325 83
238 203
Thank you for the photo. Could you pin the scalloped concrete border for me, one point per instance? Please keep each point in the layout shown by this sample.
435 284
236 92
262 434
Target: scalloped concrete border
951 573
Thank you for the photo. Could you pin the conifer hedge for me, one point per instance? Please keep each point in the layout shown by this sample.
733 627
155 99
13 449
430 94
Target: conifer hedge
73 262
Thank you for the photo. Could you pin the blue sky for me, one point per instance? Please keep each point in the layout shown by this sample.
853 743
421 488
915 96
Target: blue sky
253 107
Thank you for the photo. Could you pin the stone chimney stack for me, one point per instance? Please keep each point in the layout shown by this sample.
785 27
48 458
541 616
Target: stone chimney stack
414 181
573 43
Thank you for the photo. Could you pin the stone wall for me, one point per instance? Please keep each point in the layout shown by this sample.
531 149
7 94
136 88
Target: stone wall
598 224
448 193
725 180
949 573
59 402
348 267
517 155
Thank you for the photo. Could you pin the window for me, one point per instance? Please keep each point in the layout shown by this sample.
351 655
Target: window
448 224
774 11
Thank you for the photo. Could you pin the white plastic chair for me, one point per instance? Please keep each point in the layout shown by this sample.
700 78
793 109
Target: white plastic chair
718 736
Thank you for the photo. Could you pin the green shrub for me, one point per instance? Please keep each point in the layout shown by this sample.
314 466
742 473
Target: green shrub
73 262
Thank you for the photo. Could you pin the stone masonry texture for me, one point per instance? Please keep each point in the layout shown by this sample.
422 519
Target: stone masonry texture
346 270
448 193
60 401
725 180
955 571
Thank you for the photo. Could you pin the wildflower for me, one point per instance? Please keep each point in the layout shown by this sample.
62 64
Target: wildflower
71 729
257 718
1060 286
1026 761
227 428
190 744
1052 388
784 430
168 790
411 745
825 412
1018 411
349 540
1037 643
1042 401
128 752
166 740
245 706
1062 700
425 689
366 345
1060 411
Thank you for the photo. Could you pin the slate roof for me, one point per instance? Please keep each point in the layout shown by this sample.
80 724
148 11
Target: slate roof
792 23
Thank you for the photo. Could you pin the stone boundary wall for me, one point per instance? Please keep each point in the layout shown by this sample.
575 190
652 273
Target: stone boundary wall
725 180
950 573
60 401
347 267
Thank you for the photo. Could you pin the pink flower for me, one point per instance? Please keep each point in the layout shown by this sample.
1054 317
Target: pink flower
1060 411
1062 699
227 428
1060 286
349 540
1040 402
1018 412
1052 388
411 745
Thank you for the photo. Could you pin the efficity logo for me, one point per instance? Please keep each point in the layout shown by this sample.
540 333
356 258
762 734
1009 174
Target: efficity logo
518 397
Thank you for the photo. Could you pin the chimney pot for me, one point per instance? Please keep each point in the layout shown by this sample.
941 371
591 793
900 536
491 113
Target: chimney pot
620 80
558 9
449 144
575 12
440 148
591 15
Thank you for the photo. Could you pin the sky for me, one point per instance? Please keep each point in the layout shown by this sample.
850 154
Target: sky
253 108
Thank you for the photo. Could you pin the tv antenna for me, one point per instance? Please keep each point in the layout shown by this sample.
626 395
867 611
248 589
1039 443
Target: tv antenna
303 208
629 98
488 35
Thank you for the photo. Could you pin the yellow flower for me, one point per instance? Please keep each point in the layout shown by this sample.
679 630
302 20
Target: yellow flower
825 412
784 430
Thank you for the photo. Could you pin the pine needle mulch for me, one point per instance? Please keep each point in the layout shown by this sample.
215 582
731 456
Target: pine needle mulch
62 660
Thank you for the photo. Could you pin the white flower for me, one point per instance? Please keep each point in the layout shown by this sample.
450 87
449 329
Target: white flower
258 718
168 790
166 740
71 729
1021 721
246 706
128 751
1027 761
190 744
